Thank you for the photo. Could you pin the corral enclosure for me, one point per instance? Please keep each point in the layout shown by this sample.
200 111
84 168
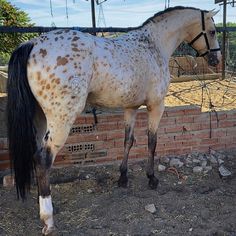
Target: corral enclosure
200 119
183 129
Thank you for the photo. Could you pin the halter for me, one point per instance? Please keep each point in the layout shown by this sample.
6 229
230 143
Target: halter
203 33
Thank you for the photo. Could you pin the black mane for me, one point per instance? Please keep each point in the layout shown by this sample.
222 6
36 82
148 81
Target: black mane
167 11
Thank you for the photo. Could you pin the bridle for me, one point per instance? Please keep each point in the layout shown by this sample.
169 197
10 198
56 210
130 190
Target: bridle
203 33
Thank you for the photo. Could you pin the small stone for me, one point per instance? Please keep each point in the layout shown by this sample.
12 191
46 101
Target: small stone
208 168
136 168
190 230
150 208
224 172
89 190
196 161
188 161
204 164
161 167
197 169
176 162
213 160
220 161
165 160
88 176
8 181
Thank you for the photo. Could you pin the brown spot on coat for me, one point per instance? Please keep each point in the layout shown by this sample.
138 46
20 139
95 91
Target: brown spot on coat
75 49
48 86
51 75
61 61
57 81
38 75
43 52
75 38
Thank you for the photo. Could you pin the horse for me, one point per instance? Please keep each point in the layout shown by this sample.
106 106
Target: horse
52 78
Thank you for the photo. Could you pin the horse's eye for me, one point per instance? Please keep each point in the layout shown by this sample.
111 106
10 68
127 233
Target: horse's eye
212 33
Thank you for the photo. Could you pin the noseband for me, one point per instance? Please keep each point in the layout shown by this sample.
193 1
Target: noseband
203 33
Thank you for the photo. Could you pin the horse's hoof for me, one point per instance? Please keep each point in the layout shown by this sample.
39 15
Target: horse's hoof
123 181
52 231
153 182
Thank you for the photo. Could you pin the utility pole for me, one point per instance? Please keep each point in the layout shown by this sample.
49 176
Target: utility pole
224 39
93 17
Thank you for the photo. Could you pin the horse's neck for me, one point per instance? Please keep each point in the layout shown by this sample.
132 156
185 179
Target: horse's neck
169 32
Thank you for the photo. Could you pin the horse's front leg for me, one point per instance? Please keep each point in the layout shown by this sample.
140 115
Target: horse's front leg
43 162
154 116
129 118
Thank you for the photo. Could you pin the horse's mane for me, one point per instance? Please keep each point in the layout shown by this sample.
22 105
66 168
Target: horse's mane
167 11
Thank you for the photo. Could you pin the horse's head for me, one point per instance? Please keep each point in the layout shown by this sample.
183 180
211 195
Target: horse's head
203 38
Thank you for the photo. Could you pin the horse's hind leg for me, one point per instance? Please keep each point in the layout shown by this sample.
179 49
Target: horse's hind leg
129 118
53 138
154 116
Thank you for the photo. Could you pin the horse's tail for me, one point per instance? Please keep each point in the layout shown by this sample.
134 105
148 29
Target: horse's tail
20 113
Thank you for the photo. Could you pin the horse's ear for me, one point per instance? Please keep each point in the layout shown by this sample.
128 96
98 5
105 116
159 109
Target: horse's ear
212 13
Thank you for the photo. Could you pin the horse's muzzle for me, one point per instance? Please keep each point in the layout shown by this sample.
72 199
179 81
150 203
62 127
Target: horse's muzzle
212 58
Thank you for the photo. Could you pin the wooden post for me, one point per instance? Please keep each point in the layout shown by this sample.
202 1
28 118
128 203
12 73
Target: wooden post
93 17
224 40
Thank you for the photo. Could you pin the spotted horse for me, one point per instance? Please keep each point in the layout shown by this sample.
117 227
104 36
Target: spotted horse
52 77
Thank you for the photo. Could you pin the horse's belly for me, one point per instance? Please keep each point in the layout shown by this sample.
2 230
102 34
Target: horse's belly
116 99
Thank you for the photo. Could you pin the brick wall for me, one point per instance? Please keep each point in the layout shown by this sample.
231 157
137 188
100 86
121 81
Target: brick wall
182 130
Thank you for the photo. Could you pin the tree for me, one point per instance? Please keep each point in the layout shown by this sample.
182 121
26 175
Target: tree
12 16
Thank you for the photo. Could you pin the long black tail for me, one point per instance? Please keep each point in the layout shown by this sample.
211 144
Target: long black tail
20 113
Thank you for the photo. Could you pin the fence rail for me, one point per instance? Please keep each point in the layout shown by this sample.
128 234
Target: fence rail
41 29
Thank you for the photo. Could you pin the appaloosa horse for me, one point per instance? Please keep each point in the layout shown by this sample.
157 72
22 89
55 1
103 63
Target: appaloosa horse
52 77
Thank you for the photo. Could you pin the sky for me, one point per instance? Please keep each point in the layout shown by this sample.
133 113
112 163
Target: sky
117 13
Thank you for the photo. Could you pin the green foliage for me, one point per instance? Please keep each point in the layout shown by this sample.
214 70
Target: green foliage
231 46
12 16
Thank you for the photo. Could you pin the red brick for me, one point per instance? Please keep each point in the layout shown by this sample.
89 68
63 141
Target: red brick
203 117
108 126
184 119
109 144
218 133
184 136
231 115
174 129
4 165
116 117
140 140
227 123
209 141
141 123
220 116
230 145
4 155
201 134
119 143
115 135
192 110
218 146
80 120
142 115
231 131
105 159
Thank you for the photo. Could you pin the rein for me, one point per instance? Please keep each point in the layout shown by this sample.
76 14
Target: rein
203 33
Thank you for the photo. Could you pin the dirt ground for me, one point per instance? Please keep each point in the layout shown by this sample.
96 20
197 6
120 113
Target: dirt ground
87 202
